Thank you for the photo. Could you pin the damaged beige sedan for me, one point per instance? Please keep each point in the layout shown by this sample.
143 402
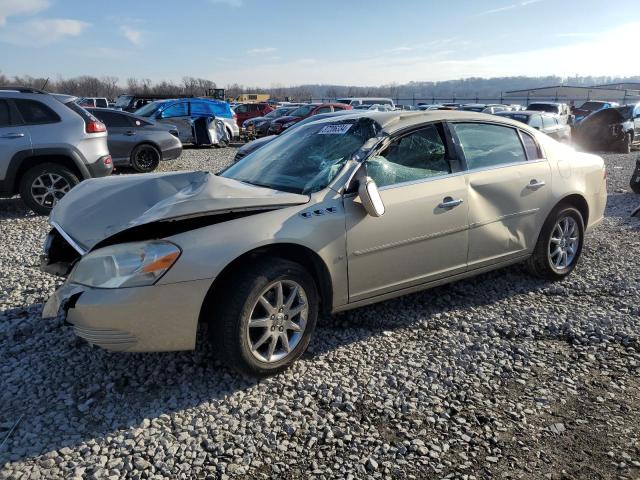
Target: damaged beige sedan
340 213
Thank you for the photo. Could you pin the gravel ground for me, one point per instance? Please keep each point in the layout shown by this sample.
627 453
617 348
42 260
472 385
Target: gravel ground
500 376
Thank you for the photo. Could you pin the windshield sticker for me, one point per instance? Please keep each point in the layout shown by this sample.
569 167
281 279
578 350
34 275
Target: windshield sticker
340 129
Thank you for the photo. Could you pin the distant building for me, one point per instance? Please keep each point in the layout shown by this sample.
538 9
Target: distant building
252 97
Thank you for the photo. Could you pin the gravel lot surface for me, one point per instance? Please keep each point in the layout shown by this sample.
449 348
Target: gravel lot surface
500 376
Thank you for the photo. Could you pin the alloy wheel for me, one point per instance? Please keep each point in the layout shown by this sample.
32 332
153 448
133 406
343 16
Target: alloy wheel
277 321
564 243
48 188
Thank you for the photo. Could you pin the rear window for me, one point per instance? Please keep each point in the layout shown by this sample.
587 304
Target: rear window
86 116
101 102
36 113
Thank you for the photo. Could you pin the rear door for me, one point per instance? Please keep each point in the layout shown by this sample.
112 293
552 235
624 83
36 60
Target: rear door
423 234
14 138
121 135
509 190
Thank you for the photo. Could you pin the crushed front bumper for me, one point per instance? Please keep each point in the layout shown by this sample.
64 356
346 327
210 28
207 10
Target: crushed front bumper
138 319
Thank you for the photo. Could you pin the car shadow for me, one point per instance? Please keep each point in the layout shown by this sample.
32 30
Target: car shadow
12 208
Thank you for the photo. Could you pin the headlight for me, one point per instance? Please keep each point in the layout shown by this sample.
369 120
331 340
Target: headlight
288 124
126 265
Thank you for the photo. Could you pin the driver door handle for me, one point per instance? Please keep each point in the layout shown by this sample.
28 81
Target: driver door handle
13 135
535 184
449 202
129 132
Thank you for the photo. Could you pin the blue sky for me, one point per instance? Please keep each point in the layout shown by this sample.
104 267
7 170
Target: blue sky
287 42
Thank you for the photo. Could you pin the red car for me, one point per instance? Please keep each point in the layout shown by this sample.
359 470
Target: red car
279 125
245 111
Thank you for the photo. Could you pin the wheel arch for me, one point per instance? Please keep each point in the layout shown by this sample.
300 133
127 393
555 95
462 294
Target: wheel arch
579 203
297 253
22 162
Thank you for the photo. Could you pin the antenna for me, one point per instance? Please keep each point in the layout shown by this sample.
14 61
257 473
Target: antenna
44 84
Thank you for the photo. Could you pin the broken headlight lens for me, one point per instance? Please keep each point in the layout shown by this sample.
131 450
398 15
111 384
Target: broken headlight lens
125 265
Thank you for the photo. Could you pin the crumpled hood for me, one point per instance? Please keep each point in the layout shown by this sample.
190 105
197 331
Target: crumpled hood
99 208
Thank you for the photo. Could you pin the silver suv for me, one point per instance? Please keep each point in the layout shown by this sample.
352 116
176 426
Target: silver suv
48 144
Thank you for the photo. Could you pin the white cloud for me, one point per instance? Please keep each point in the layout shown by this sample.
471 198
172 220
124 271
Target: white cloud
261 51
10 8
599 55
229 3
510 7
35 33
131 34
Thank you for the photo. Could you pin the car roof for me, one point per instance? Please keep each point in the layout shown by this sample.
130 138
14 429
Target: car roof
396 120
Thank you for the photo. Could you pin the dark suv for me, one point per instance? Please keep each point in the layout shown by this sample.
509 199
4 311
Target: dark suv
48 143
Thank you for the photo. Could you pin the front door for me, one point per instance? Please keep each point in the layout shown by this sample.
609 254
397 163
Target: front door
509 191
423 234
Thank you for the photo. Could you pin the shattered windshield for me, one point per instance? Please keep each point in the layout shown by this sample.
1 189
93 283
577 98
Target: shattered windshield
307 161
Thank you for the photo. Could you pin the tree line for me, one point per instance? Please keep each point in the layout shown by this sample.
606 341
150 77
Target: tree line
111 87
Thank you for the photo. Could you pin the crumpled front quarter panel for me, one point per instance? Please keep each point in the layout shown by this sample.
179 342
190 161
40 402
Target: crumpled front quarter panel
318 225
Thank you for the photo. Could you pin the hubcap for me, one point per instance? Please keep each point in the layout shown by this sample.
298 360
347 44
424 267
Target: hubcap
48 188
563 244
277 321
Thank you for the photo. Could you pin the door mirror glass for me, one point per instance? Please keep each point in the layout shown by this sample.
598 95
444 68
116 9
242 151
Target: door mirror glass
370 197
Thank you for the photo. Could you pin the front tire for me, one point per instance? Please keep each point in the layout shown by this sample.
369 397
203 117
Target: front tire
42 186
263 318
559 245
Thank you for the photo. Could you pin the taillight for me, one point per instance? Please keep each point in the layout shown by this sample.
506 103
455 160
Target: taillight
107 160
94 126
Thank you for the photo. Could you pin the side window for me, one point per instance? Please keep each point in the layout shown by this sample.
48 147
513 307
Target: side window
176 110
36 113
530 146
337 108
101 102
5 114
242 109
112 120
322 110
485 145
536 121
415 156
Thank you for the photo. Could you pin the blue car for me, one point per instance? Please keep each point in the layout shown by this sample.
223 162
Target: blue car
182 111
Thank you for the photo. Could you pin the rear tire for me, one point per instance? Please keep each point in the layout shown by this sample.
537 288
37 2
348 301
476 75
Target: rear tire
262 349
42 186
559 245
145 158
625 146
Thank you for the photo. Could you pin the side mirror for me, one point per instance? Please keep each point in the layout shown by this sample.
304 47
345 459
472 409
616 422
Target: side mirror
370 197
537 128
